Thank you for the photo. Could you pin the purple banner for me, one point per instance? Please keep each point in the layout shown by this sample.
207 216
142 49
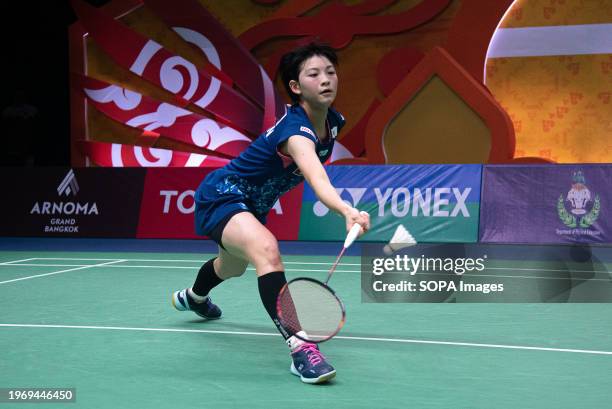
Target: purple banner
546 204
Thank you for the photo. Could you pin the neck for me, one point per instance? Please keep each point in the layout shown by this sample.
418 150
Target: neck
317 117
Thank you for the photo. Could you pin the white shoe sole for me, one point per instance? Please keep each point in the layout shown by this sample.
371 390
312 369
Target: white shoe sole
175 302
323 378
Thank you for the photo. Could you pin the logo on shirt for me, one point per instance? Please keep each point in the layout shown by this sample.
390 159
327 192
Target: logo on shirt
334 132
323 152
307 130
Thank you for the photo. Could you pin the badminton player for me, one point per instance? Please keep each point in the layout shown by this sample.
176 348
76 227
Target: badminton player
232 202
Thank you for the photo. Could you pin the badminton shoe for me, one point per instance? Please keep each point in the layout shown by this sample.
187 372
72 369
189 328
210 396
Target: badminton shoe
310 365
182 301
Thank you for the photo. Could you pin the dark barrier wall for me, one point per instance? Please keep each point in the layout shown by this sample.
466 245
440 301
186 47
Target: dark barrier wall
536 204
80 202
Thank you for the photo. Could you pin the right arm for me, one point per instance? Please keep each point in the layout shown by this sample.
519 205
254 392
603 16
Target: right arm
302 151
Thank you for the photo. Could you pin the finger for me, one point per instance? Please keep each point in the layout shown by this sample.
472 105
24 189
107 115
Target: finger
366 217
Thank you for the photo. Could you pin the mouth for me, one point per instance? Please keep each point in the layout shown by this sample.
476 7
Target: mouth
326 92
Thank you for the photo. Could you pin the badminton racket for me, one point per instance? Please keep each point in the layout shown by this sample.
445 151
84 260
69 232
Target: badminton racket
309 308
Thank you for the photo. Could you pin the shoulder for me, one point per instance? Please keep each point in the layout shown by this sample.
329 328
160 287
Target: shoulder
294 122
335 118
336 121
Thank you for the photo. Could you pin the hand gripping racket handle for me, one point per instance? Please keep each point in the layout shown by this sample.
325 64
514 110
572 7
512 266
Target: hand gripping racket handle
350 238
352 235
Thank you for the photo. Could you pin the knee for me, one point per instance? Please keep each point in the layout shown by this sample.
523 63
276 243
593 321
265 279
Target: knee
269 252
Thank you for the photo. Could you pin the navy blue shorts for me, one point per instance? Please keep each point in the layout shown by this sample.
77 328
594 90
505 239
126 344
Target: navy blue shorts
213 210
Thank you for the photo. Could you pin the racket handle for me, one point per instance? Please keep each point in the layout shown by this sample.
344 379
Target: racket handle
352 235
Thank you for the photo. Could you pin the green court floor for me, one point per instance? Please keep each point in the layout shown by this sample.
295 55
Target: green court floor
103 323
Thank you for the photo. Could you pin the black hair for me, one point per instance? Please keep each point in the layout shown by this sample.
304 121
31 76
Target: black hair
292 62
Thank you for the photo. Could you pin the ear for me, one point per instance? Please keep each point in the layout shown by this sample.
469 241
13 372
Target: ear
295 87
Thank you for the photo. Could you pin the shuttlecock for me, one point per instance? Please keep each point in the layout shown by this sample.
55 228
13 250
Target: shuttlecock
401 239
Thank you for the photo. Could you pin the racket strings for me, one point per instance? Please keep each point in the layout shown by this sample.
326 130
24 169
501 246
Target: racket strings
308 306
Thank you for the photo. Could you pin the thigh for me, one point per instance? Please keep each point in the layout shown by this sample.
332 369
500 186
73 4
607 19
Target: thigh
245 237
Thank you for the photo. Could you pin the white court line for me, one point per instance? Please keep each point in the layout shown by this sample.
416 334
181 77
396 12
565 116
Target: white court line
507 276
51 265
161 267
547 269
59 272
292 263
265 334
8 263
183 261
296 270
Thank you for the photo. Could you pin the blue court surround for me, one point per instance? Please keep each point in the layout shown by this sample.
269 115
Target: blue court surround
158 245
331 248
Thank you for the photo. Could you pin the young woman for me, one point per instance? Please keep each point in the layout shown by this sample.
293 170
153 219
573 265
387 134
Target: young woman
232 202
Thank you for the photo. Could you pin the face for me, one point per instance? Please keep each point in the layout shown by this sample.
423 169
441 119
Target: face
317 82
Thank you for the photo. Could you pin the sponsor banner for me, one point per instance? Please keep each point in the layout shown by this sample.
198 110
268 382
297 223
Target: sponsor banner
167 203
168 206
84 202
436 203
547 204
284 218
